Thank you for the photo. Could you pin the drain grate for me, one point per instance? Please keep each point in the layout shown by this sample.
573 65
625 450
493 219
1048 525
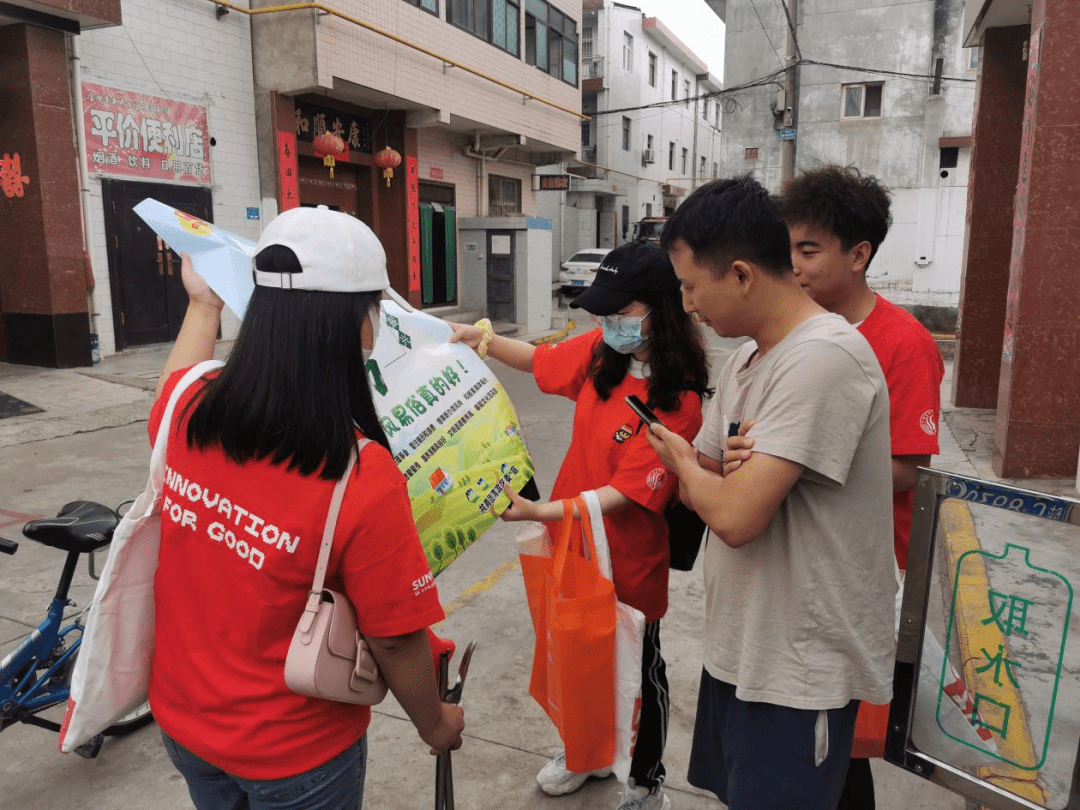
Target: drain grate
12 406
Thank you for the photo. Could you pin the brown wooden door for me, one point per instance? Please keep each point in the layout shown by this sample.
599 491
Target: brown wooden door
148 295
349 190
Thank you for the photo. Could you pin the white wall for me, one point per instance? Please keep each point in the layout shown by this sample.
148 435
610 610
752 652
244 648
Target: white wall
177 49
636 185
920 261
347 51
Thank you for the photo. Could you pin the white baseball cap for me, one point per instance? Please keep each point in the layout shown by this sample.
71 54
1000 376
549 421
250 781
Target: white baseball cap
336 253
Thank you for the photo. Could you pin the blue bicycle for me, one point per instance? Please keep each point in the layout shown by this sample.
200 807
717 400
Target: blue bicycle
36 675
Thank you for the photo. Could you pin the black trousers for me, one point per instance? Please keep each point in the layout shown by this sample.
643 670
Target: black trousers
646 767
858 787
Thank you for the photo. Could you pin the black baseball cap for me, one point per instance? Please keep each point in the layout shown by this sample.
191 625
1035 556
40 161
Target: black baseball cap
627 272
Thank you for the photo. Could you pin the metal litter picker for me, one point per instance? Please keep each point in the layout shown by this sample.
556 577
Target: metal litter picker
444 775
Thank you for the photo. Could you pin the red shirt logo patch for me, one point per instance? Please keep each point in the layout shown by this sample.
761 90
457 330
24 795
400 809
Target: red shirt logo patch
928 423
656 478
623 433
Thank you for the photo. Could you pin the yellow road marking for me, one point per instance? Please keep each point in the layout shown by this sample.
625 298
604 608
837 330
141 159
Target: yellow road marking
477 588
972 586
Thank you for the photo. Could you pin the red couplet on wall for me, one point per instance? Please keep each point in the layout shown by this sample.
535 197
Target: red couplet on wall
412 202
287 166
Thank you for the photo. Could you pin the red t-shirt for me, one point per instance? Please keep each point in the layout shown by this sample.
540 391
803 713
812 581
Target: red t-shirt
239 545
913 369
606 447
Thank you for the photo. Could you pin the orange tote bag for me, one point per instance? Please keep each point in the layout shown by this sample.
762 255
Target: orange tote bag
573 610
871 723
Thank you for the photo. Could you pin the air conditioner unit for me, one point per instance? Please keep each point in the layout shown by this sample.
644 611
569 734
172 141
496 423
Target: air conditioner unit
648 156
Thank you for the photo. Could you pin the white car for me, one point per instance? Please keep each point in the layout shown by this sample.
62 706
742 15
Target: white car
580 269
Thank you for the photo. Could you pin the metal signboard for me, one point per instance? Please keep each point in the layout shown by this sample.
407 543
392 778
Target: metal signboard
554 182
787 134
986 696
146 137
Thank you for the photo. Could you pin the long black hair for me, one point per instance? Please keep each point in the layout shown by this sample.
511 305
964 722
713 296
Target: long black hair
677 358
294 388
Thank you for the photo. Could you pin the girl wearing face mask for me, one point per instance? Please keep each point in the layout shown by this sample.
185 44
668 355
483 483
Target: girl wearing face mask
644 344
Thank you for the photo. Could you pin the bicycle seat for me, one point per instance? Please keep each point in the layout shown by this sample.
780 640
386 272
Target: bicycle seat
81 526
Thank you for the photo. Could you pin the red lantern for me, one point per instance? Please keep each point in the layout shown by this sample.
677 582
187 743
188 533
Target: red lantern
330 148
387 159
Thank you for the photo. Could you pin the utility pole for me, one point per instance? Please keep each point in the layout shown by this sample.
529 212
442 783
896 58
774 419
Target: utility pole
791 94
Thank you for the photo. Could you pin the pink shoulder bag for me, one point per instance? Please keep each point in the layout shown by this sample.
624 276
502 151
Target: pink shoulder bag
328 658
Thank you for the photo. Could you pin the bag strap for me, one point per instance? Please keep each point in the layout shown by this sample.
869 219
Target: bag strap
562 545
332 518
157 456
588 547
599 531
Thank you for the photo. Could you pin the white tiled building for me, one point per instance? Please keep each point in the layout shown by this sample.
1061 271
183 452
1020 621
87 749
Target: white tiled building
168 59
215 108
473 95
654 133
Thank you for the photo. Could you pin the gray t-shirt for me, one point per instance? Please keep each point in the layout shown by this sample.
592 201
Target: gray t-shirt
804 616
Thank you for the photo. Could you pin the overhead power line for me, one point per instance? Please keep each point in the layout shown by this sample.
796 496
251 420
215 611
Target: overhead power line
765 31
774 78
791 27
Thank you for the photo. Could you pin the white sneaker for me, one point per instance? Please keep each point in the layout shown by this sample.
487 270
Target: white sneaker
555 780
639 798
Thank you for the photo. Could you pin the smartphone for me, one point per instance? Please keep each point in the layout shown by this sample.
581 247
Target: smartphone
642 410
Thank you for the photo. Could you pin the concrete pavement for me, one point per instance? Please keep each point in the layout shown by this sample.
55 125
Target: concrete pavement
90 441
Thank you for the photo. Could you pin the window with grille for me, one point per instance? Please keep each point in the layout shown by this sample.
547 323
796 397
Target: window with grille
551 41
861 100
686 91
504 196
431 6
628 52
586 42
494 21
505 20
626 134
472 15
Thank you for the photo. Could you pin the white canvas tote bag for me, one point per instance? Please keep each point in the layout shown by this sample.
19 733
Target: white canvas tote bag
112 671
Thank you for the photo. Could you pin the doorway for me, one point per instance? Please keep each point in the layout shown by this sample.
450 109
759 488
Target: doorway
500 275
342 192
148 294
438 244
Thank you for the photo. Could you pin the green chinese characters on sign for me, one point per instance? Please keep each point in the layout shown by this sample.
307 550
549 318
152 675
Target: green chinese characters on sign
1016 645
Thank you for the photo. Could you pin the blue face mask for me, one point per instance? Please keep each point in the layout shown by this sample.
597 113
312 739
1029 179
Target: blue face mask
623 332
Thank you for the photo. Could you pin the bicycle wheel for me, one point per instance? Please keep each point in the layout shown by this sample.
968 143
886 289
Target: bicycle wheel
142 716
130 722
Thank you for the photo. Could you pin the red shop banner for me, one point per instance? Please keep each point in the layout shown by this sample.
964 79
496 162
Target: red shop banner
136 135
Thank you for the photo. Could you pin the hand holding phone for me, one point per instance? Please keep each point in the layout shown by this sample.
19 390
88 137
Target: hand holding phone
642 410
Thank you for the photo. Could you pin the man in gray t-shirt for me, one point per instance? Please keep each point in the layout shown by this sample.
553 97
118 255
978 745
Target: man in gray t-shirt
799 550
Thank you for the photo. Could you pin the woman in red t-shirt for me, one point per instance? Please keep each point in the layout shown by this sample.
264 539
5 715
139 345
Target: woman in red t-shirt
253 457
646 345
